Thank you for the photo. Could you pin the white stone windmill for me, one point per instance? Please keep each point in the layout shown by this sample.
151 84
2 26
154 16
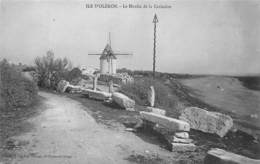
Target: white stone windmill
108 59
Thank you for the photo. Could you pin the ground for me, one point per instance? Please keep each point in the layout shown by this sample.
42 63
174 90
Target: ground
65 132
70 128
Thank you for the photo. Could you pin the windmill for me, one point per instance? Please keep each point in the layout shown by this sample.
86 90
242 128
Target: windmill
108 59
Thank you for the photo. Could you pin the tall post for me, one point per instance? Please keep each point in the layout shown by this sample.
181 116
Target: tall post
155 20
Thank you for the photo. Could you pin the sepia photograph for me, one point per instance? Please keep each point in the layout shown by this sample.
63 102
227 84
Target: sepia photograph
129 82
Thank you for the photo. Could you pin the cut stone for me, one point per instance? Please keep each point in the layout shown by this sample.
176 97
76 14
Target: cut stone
205 121
181 140
182 147
98 95
183 135
151 96
171 124
167 135
219 156
156 110
123 101
73 89
95 83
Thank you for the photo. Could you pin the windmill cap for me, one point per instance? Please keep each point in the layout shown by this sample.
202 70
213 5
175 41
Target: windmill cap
106 56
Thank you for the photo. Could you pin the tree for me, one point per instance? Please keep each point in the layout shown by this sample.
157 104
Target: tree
73 74
50 70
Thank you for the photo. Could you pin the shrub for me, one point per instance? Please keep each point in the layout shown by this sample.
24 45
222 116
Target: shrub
50 70
16 90
75 73
138 90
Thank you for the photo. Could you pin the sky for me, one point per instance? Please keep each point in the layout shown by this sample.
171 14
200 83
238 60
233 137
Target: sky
195 37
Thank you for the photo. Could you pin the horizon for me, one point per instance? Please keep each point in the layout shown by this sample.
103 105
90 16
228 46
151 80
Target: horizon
197 38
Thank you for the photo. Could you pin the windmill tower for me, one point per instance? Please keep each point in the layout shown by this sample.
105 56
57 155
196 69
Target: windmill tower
108 59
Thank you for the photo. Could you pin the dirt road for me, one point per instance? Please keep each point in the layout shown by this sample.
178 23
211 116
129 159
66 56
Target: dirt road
65 133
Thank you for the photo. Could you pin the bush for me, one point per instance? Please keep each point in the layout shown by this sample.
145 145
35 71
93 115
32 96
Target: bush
75 73
16 90
50 70
138 90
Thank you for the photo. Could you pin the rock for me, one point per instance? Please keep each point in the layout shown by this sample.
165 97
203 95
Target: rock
151 96
98 95
130 129
182 147
73 89
111 86
138 124
62 86
171 124
167 135
181 140
123 101
183 135
205 121
255 116
95 83
219 156
156 110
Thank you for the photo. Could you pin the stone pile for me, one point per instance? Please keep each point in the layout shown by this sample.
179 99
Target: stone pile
174 131
208 122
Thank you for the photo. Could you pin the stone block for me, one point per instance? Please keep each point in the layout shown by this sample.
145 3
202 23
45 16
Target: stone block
182 147
171 124
123 101
208 122
156 110
219 156
181 140
98 95
151 96
184 135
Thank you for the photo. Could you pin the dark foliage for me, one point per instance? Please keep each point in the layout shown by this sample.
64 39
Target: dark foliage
251 82
16 90
75 73
50 70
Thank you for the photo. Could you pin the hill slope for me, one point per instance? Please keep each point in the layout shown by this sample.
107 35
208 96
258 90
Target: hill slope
229 95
